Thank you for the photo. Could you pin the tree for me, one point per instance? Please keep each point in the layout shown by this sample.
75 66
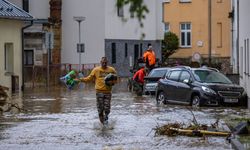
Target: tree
170 44
137 8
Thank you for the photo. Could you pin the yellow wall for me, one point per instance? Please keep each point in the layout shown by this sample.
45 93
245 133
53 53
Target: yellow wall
11 33
196 13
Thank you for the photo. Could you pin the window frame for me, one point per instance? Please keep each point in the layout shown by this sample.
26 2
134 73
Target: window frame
113 53
9 56
170 73
185 1
25 57
184 71
185 31
120 11
126 50
220 28
26 5
166 24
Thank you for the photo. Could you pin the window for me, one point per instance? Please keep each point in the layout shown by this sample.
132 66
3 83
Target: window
185 34
28 57
26 5
8 57
120 12
113 48
184 75
126 49
219 42
136 52
174 75
166 27
141 50
185 1
219 1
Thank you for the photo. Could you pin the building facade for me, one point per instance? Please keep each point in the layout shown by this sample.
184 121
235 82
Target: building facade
244 49
203 28
106 34
11 26
103 32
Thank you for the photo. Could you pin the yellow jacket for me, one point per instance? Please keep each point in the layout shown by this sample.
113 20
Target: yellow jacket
98 74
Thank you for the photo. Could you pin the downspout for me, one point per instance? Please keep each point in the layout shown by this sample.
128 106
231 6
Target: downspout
237 40
23 28
209 32
233 49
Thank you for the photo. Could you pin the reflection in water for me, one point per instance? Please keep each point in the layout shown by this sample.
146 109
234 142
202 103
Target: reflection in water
64 119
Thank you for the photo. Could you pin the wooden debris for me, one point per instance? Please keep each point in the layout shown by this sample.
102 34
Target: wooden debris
174 129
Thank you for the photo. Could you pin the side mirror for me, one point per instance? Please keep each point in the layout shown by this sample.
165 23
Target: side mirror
187 81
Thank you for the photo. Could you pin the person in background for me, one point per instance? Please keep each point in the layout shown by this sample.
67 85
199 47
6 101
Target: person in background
103 88
138 81
149 57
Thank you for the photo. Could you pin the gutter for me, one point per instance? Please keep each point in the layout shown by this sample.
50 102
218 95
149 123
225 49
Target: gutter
23 28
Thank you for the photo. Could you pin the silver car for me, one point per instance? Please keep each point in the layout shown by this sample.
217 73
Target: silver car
154 75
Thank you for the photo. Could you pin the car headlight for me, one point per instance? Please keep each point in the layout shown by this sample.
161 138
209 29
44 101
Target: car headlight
208 90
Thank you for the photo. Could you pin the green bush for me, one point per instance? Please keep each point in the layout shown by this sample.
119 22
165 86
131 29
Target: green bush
170 44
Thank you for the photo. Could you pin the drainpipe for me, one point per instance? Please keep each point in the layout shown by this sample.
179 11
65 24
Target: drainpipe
23 28
209 32
237 40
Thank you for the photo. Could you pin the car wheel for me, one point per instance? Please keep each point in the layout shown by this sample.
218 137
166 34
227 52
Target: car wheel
196 101
161 98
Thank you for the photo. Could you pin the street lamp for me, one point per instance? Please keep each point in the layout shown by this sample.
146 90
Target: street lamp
80 46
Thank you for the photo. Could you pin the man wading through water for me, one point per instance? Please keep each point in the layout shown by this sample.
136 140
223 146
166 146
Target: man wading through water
103 89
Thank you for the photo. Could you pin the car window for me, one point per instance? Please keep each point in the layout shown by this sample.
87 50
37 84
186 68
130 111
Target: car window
157 73
209 76
174 75
184 75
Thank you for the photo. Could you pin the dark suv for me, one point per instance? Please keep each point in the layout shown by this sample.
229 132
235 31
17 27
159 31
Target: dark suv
199 86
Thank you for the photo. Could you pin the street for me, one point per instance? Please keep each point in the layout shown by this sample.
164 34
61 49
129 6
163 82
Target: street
64 119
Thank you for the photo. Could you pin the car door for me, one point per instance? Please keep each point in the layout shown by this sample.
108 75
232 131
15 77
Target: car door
172 84
184 89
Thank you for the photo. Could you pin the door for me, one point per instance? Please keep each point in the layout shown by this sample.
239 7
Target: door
172 84
136 53
183 89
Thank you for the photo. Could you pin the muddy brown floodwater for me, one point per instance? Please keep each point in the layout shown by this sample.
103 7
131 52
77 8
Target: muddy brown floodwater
60 119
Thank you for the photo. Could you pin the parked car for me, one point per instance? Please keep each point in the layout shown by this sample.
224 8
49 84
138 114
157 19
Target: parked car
198 87
152 78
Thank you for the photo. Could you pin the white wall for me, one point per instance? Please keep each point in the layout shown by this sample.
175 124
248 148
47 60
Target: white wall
92 30
18 3
244 33
39 9
116 29
159 19
11 33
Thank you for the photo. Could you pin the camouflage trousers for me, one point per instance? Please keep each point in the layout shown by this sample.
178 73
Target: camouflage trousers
103 105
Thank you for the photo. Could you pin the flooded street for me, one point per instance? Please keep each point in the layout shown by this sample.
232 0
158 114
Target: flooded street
64 119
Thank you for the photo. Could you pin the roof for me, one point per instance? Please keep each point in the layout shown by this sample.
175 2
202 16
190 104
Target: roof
11 11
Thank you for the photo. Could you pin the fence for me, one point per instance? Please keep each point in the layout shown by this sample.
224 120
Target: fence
36 76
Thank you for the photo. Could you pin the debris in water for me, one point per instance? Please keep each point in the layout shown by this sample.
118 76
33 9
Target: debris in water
174 129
